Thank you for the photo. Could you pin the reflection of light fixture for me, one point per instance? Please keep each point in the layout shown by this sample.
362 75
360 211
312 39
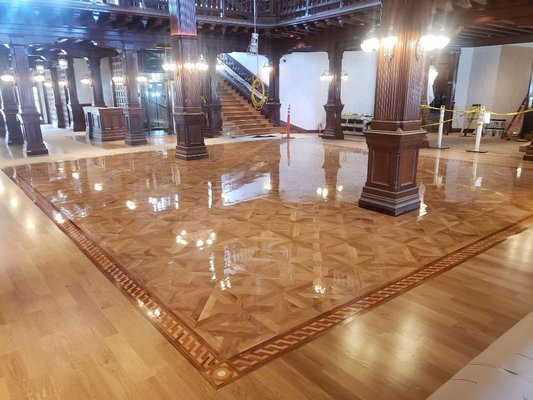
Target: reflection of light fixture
85 80
48 84
7 78
326 76
344 76
142 79
268 67
62 63
220 65
169 65
39 78
39 66
131 205
431 41
98 187
201 64
119 80
62 83
371 42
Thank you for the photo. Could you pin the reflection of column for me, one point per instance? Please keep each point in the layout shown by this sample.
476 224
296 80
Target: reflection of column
133 110
96 75
57 98
334 107
273 104
212 106
2 122
188 115
78 119
30 118
396 136
331 168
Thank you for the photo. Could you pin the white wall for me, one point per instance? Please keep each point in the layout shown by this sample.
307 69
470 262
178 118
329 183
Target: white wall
81 68
250 61
359 90
301 87
494 76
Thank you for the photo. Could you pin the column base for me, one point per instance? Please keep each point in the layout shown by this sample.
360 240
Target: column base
135 127
190 130
273 111
78 118
391 178
14 131
31 129
380 201
333 129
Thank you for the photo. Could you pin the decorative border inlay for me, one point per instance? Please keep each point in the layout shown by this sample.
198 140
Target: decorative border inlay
221 372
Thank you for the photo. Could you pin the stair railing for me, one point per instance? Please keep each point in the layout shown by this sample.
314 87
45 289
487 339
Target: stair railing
243 72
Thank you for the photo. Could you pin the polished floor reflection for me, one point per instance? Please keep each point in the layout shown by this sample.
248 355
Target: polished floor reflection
266 236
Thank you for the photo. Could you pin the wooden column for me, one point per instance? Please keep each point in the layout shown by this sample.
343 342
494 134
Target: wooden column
213 106
273 104
57 97
396 135
76 110
96 77
2 122
334 107
133 110
28 114
9 113
188 117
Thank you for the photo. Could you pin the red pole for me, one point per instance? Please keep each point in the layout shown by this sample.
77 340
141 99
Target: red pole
289 122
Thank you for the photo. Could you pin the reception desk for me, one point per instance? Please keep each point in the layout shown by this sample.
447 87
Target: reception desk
104 124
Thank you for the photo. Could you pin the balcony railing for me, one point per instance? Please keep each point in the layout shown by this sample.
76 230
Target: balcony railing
267 10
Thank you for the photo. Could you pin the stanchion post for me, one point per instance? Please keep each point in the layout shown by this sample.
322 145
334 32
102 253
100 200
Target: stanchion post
289 122
479 128
441 127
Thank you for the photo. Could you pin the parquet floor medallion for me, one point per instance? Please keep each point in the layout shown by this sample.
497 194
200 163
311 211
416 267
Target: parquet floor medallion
261 248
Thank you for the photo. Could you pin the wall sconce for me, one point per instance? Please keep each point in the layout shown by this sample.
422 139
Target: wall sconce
388 43
6 77
39 66
39 78
201 65
62 83
119 80
268 67
371 42
326 76
344 75
62 63
48 84
220 65
169 66
86 80
430 41
142 79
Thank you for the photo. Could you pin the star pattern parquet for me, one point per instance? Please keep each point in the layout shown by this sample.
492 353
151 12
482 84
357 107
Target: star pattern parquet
262 247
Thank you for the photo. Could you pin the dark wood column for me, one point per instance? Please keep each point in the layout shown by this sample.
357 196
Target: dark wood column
28 114
396 135
76 111
273 104
133 111
96 77
57 97
2 122
188 117
9 111
334 107
212 106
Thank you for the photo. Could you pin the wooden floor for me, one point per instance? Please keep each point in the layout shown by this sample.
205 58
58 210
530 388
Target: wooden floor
66 332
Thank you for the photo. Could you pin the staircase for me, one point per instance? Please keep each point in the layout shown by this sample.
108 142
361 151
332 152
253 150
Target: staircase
240 118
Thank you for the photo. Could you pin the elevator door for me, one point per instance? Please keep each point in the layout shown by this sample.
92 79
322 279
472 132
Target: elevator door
157 105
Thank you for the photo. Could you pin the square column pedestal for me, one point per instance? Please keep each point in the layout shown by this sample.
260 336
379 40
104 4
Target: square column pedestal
391 180
190 127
